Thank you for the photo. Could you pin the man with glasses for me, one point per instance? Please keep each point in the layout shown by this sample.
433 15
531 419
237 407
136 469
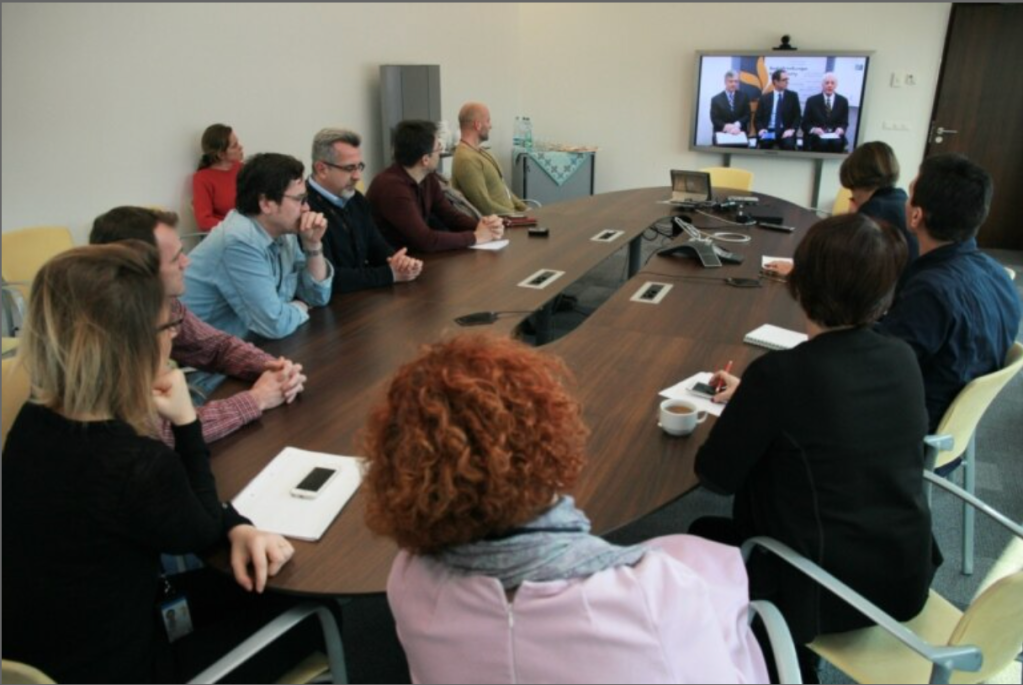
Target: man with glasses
262 268
730 110
778 115
197 344
407 195
353 245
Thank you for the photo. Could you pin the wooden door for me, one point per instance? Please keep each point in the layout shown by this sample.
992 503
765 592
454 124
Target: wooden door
978 109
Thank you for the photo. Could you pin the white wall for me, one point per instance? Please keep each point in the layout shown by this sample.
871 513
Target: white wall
103 104
623 77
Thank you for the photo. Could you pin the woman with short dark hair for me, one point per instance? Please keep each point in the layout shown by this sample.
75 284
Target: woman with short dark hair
870 173
822 445
499 580
213 184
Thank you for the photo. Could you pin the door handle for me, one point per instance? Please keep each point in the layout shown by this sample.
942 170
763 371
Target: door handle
944 131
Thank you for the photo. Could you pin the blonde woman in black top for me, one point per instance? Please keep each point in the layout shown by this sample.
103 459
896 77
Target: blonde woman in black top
89 501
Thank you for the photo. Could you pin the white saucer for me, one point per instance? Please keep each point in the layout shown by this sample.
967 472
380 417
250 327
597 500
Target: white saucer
673 433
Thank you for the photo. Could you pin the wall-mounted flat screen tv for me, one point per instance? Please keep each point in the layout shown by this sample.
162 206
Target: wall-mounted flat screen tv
793 103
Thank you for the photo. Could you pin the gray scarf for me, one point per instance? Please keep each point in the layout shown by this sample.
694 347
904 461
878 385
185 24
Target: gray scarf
557 545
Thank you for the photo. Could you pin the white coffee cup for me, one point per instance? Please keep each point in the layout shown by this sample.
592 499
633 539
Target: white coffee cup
679 417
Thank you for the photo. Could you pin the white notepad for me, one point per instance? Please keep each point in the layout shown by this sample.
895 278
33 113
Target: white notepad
493 245
775 338
682 391
267 501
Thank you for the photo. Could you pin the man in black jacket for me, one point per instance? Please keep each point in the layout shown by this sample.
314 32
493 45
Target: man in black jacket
826 115
729 109
362 258
778 115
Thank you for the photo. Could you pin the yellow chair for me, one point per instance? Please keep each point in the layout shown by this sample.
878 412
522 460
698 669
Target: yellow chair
1010 562
730 177
17 672
10 345
15 394
960 421
942 644
842 203
26 250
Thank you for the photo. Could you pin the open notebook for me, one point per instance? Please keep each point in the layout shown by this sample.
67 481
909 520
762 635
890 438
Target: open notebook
774 337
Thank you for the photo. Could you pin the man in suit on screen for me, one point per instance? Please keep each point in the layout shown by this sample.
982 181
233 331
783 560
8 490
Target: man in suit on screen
729 109
778 115
826 119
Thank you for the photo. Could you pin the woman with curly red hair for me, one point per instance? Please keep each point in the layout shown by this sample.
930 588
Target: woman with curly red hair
499 579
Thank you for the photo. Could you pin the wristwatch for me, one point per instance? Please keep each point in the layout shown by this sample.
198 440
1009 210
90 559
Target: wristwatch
314 253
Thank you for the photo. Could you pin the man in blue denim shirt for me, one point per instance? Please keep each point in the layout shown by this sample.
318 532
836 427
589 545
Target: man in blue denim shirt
262 268
957 308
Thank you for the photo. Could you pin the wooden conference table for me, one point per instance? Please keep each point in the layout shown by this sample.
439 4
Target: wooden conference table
622 356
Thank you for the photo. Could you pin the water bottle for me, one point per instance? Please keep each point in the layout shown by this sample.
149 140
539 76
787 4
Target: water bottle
527 135
517 133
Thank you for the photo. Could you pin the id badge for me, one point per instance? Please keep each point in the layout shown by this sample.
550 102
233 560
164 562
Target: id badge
177 619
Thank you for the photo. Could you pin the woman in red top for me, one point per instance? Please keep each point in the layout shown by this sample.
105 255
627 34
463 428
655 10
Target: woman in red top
213 185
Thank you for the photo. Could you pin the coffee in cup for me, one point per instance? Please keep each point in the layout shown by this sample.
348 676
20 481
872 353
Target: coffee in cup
679 417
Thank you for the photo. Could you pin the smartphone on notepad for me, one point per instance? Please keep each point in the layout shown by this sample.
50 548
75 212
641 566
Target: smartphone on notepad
704 390
314 482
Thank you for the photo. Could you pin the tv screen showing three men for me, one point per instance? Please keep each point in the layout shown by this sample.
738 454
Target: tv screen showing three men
780 102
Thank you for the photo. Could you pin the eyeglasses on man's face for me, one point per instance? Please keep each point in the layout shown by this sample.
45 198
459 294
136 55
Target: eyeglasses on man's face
302 199
348 168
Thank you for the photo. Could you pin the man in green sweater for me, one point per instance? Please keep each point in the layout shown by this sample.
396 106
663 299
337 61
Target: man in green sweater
475 172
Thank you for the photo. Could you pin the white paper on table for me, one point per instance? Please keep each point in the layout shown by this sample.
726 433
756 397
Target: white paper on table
680 391
765 260
267 500
492 245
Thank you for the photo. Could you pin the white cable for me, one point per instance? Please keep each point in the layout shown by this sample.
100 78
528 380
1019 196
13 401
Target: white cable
740 238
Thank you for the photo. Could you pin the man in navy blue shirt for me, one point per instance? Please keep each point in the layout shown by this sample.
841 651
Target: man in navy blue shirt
957 308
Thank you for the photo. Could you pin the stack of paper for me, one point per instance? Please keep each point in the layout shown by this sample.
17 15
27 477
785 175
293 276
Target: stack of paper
681 391
267 501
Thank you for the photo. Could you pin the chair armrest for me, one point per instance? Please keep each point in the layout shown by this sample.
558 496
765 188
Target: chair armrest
963 658
778 635
275 629
978 504
935 445
532 203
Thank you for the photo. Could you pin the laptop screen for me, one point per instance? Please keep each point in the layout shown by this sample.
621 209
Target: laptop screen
690 186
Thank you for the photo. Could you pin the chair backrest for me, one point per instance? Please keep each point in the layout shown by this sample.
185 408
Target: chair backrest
994 623
26 250
10 345
961 419
730 177
17 672
15 394
842 202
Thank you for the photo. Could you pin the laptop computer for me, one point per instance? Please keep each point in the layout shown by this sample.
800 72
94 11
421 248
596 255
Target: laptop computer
690 186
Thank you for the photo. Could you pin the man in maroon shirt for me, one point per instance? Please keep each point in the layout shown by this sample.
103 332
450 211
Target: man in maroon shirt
198 345
407 195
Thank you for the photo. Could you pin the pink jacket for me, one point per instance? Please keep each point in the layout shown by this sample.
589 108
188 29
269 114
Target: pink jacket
679 616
